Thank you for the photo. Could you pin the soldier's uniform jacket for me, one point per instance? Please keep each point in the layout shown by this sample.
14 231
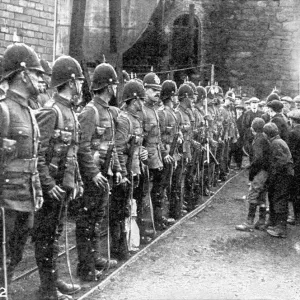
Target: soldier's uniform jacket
281 158
186 122
169 127
229 123
199 124
97 121
261 155
20 183
282 126
213 125
294 145
59 129
129 124
152 138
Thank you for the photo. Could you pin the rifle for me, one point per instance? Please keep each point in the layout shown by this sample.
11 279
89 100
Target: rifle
168 168
126 205
105 169
4 289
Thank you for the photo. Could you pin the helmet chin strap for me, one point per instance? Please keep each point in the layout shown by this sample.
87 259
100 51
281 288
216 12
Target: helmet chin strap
34 90
75 100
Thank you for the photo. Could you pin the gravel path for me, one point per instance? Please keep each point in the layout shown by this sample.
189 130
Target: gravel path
206 258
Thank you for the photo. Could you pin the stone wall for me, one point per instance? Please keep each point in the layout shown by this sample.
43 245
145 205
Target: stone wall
28 21
257 44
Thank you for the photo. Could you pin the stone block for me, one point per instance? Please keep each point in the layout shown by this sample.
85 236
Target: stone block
22 17
39 21
291 26
30 26
31 12
15 8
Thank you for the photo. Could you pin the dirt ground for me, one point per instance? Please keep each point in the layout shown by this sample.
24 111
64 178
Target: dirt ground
206 258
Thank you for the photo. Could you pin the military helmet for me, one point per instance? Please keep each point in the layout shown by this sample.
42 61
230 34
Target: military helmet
65 68
126 76
168 89
271 129
272 97
193 86
151 80
18 57
133 90
213 91
258 124
185 91
276 105
201 93
104 75
46 67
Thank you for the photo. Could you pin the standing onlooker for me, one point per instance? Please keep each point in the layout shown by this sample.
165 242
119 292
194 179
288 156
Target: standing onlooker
280 176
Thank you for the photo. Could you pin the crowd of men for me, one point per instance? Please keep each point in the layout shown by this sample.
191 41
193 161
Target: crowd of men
132 169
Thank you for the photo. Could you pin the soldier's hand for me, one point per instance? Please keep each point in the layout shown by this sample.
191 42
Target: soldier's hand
39 202
125 181
100 180
144 154
57 193
168 159
118 177
80 191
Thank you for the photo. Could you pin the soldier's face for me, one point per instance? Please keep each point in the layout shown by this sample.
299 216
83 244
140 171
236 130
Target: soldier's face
35 78
152 95
298 105
175 100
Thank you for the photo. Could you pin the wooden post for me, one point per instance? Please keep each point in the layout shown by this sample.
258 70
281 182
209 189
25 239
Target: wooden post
115 19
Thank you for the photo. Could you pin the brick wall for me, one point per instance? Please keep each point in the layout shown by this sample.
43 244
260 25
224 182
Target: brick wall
32 21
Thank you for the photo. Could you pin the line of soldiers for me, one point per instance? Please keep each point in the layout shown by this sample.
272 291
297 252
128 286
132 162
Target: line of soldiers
272 139
131 170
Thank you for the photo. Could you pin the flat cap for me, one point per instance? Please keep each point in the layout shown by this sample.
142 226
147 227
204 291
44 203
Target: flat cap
254 100
297 99
240 106
276 105
294 114
287 99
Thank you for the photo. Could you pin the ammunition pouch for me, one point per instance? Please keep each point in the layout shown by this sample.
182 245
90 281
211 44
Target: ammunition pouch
22 166
8 151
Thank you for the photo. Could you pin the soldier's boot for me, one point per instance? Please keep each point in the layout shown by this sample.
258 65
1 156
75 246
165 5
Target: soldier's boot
67 288
297 212
261 222
86 266
100 262
249 224
291 217
158 219
280 229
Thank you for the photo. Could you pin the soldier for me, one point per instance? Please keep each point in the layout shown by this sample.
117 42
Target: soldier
59 173
280 173
186 118
287 104
21 192
275 112
98 162
258 175
249 116
294 145
129 126
152 142
247 104
170 137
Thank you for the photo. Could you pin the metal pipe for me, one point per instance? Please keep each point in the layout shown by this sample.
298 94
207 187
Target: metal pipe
55 30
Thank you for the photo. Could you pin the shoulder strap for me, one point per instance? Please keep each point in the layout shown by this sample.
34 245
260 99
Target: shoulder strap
60 122
6 119
96 113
